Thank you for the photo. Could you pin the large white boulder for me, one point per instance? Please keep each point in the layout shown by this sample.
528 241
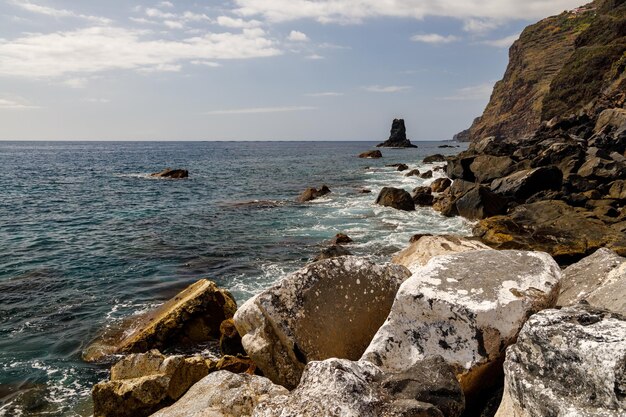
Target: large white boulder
329 309
567 363
599 280
468 308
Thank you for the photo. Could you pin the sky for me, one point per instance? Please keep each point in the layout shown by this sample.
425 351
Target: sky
253 69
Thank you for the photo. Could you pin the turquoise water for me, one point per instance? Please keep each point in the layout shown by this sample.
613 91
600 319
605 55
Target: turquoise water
87 238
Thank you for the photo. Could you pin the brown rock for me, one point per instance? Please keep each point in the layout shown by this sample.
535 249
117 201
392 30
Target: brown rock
422 196
171 173
440 185
434 158
413 173
371 155
341 239
427 174
312 193
230 340
333 251
396 198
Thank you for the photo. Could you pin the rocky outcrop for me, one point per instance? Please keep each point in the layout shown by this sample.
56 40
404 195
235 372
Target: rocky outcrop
171 173
462 136
423 196
431 159
193 316
598 280
397 138
341 239
396 198
440 185
480 202
413 173
328 309
523 184
567 362
224 394
312 193
371 155
466 307
399 167
333 251
144 383
342 388
554 227
427 247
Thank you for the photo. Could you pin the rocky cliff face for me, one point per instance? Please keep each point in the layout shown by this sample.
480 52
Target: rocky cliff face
563 64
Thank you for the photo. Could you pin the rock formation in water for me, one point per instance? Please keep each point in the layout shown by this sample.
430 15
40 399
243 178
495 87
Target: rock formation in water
397 138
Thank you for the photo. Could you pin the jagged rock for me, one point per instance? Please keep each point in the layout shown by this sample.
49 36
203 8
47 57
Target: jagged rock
466 307
423 196
479 203
567 362
171 173
371 155
144 383
603 169
333 251
611 120
193 316
396 198
342 388
550 226
424 248
426 175
312 193
238 364
413 173
224 394
440 185
599 280
618 190
487 168
397 138
328 309
434 158
341 239
230 340
458 167
523 184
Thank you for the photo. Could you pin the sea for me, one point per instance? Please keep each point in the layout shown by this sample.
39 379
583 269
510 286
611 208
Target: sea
88 238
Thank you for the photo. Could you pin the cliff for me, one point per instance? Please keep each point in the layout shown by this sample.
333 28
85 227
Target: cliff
563 64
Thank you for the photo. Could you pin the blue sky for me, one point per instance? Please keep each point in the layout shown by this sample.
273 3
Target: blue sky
252 69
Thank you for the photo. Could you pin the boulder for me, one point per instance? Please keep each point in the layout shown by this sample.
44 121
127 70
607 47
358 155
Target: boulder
466 307
333 251
144 383
399 167
413 173
567 362
487 168
365 191
230 340
426 175
440 185
397 137
434 158
328 309
598 280
171 173
480 202
423 196
312 193
523 184
611 120
341 239
371 155
618 190
224 394
424 248
236 364
458 167
192 317
342 388
554 227
602 169
396 198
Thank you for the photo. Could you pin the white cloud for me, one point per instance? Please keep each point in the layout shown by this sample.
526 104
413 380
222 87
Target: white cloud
12 104
386 89
297 36
56 13
152 12
76 82
475 92
260 110
174 24
354 11
207 63
504 42
314 57
98 49
166 4
230 22
325 94
434 38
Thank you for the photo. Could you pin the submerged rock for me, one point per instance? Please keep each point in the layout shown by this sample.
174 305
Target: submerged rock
193 316
371 155
328 309
397 198
171 173
341 239
224 394
397 138
567 362
312 193
333 251
466 307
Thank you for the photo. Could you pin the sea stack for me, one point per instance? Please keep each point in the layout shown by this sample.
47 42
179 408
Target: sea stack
397 139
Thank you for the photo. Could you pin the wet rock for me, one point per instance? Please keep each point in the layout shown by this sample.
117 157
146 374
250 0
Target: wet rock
192 317
426 175
413 173
341 239
396 198
466 307
365 191
599 280
480 203
434 158
400 167
224 394
371 155
333 251
171 173
427 247
523 184
487 168
312 193
423 196
328 309
550 226
567 362
440 185
230 340
397 137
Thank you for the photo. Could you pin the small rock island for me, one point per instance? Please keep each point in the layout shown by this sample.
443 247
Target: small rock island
397 139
